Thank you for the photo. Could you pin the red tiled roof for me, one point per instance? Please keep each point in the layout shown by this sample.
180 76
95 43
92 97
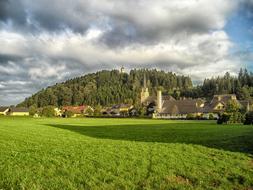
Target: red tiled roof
75 109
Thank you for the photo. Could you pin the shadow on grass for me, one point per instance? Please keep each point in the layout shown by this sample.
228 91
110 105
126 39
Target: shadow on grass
231 138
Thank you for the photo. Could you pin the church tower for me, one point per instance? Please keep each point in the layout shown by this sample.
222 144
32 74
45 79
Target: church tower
122 70
144 90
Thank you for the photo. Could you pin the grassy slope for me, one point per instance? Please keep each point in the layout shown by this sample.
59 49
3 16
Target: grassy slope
123 154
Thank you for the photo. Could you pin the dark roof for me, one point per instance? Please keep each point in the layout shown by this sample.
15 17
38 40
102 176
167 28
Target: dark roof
3 108
180 107
19 109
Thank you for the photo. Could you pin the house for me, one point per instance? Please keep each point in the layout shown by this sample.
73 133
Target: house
15 111
4 110
77 110
219 103
118 110
122 109
180 109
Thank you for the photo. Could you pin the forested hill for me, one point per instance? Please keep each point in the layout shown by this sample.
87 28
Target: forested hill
107 88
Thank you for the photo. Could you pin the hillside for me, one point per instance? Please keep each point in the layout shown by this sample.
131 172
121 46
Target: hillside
107 88
112 87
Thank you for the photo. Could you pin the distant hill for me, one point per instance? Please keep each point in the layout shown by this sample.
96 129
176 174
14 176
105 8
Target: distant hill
107 88
112 87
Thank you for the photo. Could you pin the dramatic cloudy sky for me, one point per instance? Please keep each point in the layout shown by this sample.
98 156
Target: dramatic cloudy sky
43 42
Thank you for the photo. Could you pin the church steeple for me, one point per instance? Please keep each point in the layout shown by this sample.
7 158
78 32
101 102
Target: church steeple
122 70
144 90
144 82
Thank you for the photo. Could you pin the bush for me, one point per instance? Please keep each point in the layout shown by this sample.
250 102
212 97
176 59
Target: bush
48 111
235 117
248 118
89 111
190 116
211 116
97 110
223 118
68 113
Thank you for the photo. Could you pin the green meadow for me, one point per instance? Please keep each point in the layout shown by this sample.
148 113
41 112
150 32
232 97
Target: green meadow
124 154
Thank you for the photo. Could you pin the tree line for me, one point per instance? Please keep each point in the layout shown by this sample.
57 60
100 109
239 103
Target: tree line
241 85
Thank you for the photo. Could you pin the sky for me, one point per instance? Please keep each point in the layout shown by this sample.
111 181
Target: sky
43 42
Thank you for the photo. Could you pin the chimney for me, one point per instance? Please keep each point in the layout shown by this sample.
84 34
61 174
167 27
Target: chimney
159 100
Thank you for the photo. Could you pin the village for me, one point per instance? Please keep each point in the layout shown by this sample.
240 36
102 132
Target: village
154 106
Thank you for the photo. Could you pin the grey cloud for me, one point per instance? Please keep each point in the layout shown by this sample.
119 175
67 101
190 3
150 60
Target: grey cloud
5 58
12 10
124 22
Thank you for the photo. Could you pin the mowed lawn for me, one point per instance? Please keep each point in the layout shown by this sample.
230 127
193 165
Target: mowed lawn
124 154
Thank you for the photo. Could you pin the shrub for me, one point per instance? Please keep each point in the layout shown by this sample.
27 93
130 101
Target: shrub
248 118
223 118
89 111
48 111
211 116
97 110
68 113
190 116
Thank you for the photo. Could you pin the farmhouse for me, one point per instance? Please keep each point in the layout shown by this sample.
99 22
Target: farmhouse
77 110
19 111
4 110
219 103
118 110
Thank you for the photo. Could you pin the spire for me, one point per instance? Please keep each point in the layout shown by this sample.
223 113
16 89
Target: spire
145 81
144 91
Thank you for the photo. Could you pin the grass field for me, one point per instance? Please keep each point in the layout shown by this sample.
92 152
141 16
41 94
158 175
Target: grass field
124 154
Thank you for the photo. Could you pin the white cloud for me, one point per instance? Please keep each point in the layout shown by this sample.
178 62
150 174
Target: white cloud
93 34
44 70
180 52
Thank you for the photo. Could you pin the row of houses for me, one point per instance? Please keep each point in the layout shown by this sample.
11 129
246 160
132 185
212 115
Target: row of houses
21 111
168 108
76 111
